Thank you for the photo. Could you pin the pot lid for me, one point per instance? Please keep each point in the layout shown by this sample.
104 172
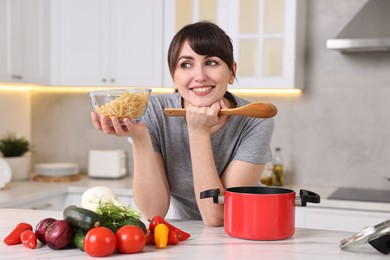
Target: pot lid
367 234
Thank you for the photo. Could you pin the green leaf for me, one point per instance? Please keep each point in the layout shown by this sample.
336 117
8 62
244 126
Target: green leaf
112 215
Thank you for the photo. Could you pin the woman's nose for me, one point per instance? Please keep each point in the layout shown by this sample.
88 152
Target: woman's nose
200 74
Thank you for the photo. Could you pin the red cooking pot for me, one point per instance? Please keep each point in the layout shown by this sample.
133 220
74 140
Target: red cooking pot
260 213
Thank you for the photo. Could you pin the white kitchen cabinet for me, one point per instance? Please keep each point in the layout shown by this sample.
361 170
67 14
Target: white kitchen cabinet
125 43
267 37
23 42
337 219
107 42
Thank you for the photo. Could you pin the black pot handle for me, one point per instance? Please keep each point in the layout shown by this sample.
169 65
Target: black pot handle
214 193
382 244
308 196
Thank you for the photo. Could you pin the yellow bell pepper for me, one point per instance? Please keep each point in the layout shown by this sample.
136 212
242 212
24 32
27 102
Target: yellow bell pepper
161 232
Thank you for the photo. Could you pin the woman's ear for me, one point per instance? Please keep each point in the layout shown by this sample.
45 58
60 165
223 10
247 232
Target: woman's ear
174 85
233 76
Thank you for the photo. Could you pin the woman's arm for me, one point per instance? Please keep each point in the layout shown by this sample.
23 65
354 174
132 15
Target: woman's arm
240 173
150 185
202 123
205 175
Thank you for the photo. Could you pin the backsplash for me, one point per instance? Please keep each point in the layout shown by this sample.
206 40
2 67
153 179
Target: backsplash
63 131
335 134
15 115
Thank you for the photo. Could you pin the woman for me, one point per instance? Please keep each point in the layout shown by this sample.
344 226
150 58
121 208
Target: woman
177 157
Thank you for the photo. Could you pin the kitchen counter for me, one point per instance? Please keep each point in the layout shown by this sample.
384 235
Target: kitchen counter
205 243
18 192
325 192
341 215
15 192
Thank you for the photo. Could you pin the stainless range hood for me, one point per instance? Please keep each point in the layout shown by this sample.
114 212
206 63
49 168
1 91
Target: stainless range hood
369 30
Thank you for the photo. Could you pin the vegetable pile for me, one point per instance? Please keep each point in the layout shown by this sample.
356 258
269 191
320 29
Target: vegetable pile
101 226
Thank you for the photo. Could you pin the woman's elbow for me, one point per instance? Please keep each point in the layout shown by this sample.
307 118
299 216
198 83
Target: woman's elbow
213 222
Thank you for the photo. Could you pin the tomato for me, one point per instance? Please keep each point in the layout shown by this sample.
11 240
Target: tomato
131 239
100 241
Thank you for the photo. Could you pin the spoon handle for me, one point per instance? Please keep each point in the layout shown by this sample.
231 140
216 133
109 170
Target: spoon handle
256 110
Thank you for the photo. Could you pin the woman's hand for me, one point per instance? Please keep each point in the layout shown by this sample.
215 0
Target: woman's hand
115 128
204 117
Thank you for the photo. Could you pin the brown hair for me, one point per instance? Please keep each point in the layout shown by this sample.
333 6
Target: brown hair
205 38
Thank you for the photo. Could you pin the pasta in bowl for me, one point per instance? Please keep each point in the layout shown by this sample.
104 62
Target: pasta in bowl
121 103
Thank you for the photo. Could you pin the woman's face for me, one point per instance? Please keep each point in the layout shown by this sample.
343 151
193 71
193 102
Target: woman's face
201 80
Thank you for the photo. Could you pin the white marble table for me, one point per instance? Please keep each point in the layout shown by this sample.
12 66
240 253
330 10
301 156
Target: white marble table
205 243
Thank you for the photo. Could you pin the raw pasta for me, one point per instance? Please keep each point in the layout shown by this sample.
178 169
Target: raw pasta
130 105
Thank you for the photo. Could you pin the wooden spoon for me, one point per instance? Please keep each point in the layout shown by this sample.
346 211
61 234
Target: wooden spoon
257 110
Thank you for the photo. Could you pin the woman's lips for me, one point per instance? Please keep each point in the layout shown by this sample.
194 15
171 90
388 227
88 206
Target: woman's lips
202 90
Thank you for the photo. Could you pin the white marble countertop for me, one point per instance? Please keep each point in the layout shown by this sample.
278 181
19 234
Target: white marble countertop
18 192
205 243
325 192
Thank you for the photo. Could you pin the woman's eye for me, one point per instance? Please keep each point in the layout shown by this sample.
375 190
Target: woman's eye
185 65
211 62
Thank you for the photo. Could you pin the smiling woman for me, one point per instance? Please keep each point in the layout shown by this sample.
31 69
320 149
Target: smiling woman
180 157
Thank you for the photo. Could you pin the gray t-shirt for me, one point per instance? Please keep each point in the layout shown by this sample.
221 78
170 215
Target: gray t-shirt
242 138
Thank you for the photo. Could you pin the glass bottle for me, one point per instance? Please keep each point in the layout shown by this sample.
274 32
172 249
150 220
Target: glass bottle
277 172
266 176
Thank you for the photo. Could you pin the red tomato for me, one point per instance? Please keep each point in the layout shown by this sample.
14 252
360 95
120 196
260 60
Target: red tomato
131 239
100 241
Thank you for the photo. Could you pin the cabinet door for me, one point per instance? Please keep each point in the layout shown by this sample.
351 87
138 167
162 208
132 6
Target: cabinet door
52 203
266 35
23 42
109 42
6 62
337 219
136 42
81 41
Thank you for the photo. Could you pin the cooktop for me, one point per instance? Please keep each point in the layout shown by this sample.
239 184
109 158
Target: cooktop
357 194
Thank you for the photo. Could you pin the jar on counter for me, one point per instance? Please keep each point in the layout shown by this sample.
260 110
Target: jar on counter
266 176
277 171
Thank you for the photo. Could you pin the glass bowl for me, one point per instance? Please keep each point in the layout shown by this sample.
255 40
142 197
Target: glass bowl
121 103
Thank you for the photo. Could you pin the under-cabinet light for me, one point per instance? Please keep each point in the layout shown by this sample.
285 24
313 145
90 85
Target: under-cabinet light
158 90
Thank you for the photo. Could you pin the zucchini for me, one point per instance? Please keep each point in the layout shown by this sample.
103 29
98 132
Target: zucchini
135 222
81 218
78 239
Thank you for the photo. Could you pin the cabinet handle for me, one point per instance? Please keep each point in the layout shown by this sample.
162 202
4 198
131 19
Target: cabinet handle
112 80
44 206
103 80
16 76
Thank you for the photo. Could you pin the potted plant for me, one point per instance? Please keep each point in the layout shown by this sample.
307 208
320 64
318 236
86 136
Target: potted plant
14 150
